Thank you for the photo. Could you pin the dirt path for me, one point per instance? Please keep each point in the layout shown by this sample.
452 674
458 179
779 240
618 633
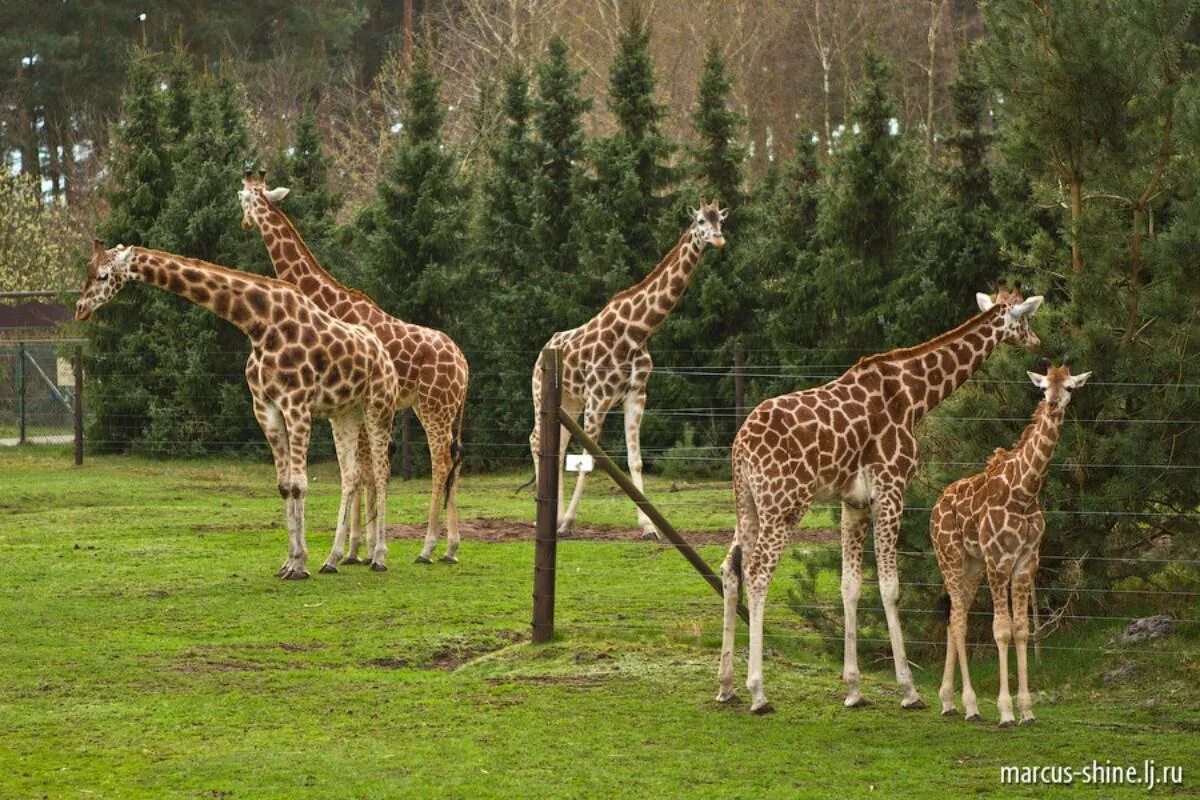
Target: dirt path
508 530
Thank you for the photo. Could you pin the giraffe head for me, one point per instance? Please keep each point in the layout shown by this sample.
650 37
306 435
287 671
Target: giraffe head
107 272
257 199
1017 311
1057 384
706 224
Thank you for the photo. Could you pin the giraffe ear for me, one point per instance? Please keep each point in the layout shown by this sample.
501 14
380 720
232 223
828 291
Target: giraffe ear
1026 308
275 195
1038 380
1075 381
985 301
692 212
724 212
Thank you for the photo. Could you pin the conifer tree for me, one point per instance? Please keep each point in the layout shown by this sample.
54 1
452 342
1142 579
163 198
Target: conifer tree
415 229
311 204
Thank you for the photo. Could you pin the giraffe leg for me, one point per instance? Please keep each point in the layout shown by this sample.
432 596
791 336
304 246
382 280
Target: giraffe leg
346 429
379 431
1002 631
299 426
439 437
452 532
365 481
592 422
960 613
888 508
854 534
271 421
635 406
759 567
1022 588
950 562
744 540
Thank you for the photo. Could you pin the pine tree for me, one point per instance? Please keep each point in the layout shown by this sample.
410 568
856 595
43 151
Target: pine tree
864 220
202 403
312 204
557 295
117 358
631 210
415 229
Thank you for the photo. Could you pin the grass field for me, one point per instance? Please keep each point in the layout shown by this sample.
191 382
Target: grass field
148 651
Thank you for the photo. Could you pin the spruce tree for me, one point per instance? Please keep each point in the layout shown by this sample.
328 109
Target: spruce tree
415 229
117 357
311 204
865 220
558 297
631 209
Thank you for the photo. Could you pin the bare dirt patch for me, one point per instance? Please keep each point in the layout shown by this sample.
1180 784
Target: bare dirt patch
513 530
453 653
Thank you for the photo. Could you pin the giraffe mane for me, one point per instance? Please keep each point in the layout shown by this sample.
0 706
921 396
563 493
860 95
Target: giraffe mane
632 290
208 266
935 342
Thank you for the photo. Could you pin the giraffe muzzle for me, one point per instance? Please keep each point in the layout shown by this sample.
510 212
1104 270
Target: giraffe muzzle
82 312
718 241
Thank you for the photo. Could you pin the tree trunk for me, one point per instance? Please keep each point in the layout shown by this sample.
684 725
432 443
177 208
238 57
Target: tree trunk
1076 215
1135 274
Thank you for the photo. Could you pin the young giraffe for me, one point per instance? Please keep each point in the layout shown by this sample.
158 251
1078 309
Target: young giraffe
605 360
303 363
993 520
850 439
432 369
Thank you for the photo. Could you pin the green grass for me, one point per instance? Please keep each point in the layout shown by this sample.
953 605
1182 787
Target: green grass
148 651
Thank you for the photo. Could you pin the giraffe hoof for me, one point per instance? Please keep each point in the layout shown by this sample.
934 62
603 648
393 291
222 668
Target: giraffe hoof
328 569
765 708
915 705
651 535
857 702
974 718
1027 721
727 698
378 566
422 560
295 575
353 560
448 560
1008 723
950 712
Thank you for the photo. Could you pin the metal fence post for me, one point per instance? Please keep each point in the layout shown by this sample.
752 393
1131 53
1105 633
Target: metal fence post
20 376
78 405
546 536
739 384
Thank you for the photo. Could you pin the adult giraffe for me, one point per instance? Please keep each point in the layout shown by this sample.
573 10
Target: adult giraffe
992 522
303 363
851 440
431 368
605 360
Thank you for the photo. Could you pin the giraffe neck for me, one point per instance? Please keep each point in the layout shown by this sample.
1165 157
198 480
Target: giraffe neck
245 300
290 255
1032 457
933 370
641 309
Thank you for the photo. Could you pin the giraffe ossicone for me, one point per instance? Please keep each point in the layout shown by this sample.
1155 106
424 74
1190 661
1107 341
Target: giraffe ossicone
991 524
303 363
431 369
606 361
852 440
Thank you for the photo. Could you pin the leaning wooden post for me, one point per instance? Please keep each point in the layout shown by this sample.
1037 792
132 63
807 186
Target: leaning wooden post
608 465
546 536
78 405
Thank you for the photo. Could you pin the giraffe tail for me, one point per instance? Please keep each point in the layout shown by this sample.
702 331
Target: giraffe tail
456 457
735 561
943 607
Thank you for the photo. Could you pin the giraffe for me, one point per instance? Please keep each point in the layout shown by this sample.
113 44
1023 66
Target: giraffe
605 360
992 522
851 440
431 368
303 363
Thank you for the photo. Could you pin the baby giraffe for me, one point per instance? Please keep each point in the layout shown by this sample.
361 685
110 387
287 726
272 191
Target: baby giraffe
992 521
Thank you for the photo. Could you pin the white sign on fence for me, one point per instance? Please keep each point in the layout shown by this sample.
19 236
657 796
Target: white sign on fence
579 462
